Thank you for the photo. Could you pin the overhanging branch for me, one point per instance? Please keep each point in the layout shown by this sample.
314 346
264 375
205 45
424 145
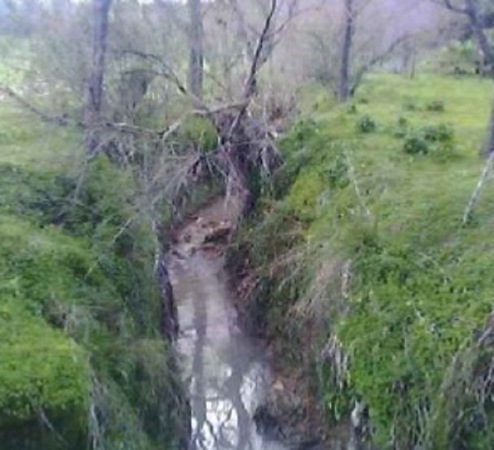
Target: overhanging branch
43 115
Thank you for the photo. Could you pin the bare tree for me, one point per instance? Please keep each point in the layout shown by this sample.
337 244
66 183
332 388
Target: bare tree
196 38
349 38
94 90
472 10
344 82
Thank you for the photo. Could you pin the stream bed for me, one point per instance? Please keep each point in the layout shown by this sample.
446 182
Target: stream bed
226 370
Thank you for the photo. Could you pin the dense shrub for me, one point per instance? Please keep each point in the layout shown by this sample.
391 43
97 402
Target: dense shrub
433 139
337 172
401 129
410 105
199 132
366 124
402 122
435 106
438 133
79 311
415 144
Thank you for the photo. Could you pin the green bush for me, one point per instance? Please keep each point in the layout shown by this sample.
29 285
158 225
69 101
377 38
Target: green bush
41 369
415 144
436 106
337 173
433 139
366 124
77 295
199 132
410 105
296 145
401 129
438 133
402 122
303 130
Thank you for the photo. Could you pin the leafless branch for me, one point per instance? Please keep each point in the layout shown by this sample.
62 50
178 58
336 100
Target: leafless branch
259 60
452 6
43 115
379 58
478 189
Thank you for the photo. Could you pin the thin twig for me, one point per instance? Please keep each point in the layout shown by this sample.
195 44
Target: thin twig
45 117
356 187
478 189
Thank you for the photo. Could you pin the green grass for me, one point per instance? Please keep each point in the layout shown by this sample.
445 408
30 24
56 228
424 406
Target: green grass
420 289
79 308
25 141
391 181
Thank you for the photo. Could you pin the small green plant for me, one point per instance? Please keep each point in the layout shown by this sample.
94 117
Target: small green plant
409 105
303 130
402 122
401 129
337 173
438 133
415 144
436 106
352 109
436 139
366 124
199 132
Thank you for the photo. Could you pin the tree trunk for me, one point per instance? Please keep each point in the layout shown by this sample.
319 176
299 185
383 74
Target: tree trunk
480 36
490 145
94 87
344 84
169 326
196 38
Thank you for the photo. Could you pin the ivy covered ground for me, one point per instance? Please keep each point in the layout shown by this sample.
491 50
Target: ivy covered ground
363 240
82 360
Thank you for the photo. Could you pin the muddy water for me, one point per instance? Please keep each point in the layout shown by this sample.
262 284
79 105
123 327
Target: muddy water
227 373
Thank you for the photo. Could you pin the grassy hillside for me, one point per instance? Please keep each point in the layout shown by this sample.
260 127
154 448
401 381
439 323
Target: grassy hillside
83 362
376 253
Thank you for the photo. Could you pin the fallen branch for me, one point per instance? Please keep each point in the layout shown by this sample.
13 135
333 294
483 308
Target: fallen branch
356 186
478 189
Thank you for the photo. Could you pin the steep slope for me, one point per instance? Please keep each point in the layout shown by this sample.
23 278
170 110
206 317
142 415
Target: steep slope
83 364
366 279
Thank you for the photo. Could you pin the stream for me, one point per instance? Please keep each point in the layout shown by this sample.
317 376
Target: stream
226 371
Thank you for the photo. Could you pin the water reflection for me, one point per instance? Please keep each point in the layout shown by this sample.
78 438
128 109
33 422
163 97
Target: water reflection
228 377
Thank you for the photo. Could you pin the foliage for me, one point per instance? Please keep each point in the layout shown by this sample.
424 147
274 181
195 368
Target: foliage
435 139
366 124
419 296
457 58
200 133
415 144
42 371
79 308
435 106
409 105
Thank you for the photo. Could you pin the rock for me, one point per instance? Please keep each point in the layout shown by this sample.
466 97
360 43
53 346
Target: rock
219 234
278 386
267 425
179 255
282 417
